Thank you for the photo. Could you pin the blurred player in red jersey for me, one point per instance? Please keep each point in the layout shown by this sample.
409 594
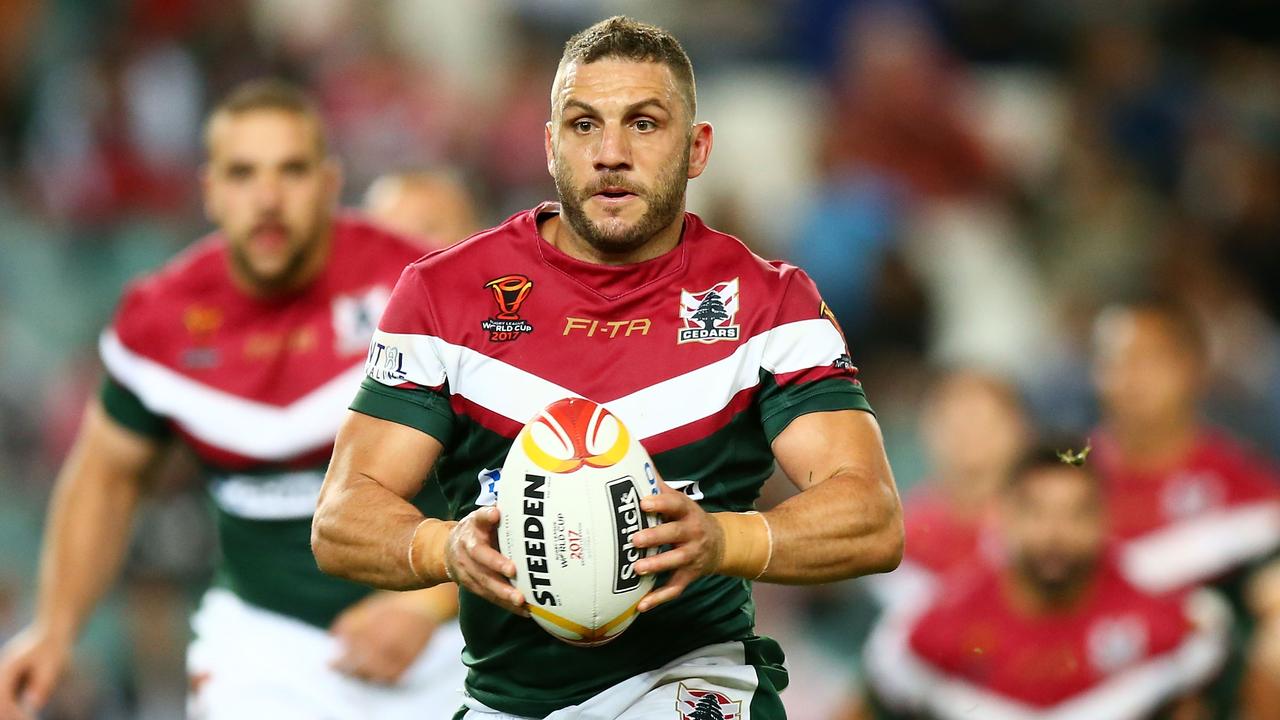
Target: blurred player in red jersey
1188 505
1055 631
246 348
433 207
974 429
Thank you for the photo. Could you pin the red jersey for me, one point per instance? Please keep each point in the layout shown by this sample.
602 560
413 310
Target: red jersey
1119 654
939 541
1216 511
257 388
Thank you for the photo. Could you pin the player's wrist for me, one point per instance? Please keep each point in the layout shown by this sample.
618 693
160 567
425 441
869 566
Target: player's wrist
747 546
426 553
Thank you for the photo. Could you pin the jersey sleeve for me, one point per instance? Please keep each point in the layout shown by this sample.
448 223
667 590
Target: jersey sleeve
119 349
406 379
806 365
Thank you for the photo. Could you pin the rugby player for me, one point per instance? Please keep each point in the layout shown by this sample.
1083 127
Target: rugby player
721 362
246 348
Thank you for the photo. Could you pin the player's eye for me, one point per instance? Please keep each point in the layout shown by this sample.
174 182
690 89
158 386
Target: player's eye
583 126
645 125
296 168
239 172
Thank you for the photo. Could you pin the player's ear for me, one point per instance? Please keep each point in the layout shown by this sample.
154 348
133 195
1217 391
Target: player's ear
546 146
699 148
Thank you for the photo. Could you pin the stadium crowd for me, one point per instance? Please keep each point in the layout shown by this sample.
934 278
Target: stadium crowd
1031 218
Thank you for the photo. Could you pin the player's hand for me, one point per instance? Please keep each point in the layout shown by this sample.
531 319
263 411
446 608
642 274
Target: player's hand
696 539
30 666
474 562
383 634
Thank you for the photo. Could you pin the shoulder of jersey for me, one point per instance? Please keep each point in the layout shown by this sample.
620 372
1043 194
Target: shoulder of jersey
369 250
486 247
720 250
196 272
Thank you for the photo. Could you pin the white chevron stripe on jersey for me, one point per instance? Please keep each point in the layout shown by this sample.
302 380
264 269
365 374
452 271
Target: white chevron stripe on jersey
1202 548
228 422
518 394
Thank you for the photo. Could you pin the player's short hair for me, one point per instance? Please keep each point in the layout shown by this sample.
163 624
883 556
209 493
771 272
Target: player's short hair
268 94
1052 454
1179 319
623 38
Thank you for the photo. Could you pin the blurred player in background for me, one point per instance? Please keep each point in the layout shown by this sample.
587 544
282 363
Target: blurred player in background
246 348
1055 631
719 361
1189 505
433 207
974 429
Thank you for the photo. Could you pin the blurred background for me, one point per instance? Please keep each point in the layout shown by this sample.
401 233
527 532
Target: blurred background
968 181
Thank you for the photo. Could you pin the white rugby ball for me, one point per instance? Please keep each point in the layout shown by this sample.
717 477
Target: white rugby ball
569 495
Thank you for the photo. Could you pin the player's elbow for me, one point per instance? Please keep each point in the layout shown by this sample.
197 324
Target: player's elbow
323 544
888 541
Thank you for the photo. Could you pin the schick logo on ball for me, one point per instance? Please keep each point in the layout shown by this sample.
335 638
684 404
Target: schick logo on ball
627 521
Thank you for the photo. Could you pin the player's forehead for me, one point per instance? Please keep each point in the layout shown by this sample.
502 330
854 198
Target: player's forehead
614 84
1057 489
263 135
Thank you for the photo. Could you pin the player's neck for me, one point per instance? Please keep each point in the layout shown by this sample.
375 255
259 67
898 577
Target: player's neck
1155 445
562 236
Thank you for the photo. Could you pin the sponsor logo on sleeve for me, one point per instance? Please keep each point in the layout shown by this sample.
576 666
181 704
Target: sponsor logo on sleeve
708 316
509 292
385 364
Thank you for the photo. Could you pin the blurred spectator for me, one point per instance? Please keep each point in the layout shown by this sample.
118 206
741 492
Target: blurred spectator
974 430
1053 631
435 208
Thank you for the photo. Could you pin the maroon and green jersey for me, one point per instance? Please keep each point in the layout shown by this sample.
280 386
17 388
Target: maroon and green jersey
257 389
706 353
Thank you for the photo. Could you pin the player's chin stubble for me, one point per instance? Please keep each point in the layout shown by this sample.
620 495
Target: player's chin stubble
268 283
663 203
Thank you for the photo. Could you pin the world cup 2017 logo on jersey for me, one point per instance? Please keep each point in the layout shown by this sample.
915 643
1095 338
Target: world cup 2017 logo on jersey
510 292
709 315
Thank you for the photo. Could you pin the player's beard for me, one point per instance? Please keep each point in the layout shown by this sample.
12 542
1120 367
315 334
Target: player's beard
664 202
301 245
1057 579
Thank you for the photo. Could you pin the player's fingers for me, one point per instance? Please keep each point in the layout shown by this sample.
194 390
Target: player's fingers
668 592
668 533
489 558
493 587
486 519
672 559
672 505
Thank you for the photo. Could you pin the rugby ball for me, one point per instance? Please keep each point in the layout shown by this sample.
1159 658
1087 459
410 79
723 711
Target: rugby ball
569 495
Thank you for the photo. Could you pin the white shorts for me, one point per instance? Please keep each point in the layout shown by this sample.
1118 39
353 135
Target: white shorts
248 663
695 685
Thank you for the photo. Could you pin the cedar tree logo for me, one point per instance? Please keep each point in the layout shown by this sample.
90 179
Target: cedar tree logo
694 704
708 315
510 292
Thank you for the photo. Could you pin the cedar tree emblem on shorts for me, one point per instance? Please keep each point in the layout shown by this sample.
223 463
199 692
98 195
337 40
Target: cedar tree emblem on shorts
694 704
709 315
510 292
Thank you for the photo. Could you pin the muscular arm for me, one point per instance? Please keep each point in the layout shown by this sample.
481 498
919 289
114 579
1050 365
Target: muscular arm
90 516
364 525
364 521
847 519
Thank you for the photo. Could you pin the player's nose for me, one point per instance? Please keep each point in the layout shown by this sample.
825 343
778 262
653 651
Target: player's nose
614 150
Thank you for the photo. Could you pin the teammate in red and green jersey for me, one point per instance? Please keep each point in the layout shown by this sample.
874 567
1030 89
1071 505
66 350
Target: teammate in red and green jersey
721 362
245 348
